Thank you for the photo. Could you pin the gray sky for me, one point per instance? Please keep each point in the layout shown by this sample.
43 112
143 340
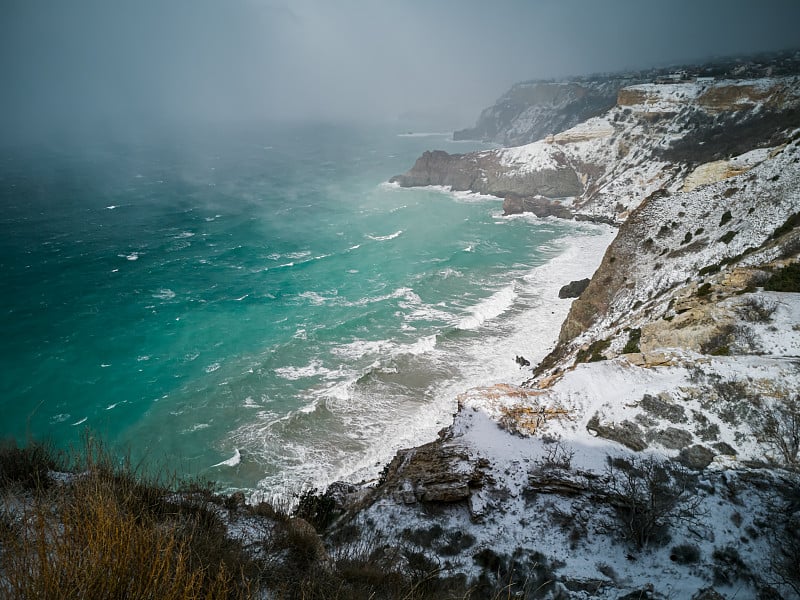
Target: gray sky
100 63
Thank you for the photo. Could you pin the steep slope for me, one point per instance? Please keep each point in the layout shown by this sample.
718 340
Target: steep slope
606 166
656 452
531 110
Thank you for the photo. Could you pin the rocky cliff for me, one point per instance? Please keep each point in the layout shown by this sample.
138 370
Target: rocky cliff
648 142
654 453
532 110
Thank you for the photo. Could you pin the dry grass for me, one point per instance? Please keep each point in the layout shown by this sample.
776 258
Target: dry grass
107 530
111 533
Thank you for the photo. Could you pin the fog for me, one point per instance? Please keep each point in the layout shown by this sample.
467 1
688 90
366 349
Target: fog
108 65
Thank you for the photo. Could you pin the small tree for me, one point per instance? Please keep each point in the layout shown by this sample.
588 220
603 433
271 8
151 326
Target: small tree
779 429
648 496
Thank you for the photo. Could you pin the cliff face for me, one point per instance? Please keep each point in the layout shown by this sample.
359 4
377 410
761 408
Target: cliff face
532 110
661 433
604 167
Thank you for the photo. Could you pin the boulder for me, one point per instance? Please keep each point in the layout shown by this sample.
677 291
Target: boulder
696 457
573 289
627 433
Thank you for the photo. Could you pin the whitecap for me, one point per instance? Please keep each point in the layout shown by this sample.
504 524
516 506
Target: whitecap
448 272
143 358
469 248
313 297
110 406
212 367
183 235
421 346
111 207
298 255
60 418
80 421
164 294
383 238
104 365
242 298
231 462
356 247
199 426
489 308
131 256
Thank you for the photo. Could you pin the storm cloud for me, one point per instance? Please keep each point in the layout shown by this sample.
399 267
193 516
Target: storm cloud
89 64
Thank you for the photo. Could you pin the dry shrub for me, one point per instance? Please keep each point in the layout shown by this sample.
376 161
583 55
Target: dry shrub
112 534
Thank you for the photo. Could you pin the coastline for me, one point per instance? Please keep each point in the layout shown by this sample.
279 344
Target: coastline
533 334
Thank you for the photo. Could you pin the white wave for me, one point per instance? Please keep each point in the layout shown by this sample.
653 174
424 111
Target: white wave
112 207
314 298
250 403
60 418
425 134
273 256
143 358
383 238
356 247
462 196
313 369
491 307
80 421
199 426
231 462
470 248
212 367
448 272
406 294
298 255
164 294
390 185
183 235
111 406
241 298
421 346
131 256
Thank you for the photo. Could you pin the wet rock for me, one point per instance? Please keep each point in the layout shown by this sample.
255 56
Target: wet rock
696 457
573 289
538 205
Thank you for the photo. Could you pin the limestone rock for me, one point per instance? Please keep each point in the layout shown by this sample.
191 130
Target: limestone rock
440 471
485 173
696 457
538 205
627 433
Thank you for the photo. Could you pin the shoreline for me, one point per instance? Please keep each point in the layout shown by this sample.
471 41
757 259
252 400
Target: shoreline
540 324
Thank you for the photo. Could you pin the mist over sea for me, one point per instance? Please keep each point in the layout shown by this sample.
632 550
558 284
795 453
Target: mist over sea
261 307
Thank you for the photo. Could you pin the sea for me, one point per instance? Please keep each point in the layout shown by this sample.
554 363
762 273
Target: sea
259 307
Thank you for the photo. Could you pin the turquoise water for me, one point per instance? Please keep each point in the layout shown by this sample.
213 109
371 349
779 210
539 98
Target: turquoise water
261 294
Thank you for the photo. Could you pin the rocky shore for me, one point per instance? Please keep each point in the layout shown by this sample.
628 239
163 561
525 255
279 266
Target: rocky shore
653 453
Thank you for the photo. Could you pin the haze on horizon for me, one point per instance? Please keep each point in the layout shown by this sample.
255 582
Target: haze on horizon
108 65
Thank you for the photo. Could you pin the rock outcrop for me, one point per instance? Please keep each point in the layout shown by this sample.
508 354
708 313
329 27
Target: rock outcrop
530 111
484 173
657 139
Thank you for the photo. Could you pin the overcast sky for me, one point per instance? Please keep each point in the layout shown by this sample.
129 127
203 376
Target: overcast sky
93 63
